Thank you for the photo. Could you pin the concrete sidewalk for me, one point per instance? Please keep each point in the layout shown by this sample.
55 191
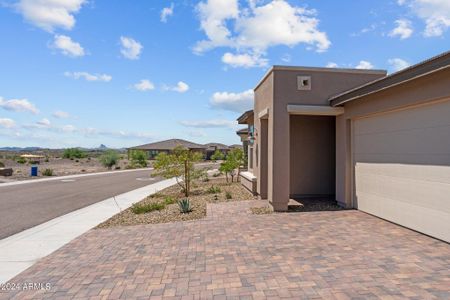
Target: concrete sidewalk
22 250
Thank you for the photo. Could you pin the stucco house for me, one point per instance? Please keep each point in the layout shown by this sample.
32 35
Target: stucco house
153 149
211 148
375 142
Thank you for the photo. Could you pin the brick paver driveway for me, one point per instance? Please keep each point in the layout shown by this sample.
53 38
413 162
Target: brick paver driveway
344 254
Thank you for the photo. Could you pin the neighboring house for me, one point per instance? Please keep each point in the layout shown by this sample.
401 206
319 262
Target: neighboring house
373 142
213 147
153 149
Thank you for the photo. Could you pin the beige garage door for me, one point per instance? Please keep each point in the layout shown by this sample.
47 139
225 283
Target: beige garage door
402 167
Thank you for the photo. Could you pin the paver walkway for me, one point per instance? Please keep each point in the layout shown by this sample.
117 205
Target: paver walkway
235 255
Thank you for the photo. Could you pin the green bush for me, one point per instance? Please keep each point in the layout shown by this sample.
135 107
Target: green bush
2 165
139 158
72 153
185 206
214 190
21 160
142 208
218 155
109 158
169 200
228 195
47 172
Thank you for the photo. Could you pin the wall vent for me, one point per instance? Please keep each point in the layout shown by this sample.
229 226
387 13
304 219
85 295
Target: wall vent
304 83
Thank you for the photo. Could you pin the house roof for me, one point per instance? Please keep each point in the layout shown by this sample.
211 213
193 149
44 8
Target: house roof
169 145
242 131
243 119
236 146
434 64
216 146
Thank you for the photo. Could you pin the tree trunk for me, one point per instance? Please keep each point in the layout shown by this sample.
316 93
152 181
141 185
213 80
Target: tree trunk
186 179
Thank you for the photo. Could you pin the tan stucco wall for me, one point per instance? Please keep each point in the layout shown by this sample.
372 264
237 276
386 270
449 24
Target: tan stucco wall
263 100
434 87
312 163
324 85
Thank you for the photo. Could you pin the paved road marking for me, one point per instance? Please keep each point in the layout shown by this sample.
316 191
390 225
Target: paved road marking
68 180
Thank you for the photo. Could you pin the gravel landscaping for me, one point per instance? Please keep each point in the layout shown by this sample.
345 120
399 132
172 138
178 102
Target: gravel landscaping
201 194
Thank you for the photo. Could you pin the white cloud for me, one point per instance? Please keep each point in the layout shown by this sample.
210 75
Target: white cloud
363 64
61 114
166 12
403 30
332 65
144 85
216 123
18 105
7 123
254 29
181 87
196 133
398 64
67 46
435 14
131 48
68 128
50 14
44 123
236 102
89 77
244 60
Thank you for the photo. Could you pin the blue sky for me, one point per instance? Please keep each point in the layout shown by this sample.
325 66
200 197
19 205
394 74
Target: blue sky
122 73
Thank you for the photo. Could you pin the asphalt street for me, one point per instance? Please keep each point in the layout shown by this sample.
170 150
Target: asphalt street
29 204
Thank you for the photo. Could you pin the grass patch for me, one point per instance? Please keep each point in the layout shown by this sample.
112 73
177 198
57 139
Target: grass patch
142 208
214 190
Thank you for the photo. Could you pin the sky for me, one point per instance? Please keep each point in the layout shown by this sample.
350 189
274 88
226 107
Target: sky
125 73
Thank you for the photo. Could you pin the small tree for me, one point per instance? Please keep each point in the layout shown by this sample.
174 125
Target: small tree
139 158
179 164
234 160
109 158
217 155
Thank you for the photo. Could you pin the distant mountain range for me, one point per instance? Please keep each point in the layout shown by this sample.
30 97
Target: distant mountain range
31 149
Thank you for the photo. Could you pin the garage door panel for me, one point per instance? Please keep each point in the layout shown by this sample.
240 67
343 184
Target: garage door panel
429 141
429 221
412 171
402 167
418 191
424 117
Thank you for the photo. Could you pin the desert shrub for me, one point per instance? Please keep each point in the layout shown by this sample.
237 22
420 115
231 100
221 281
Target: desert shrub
228 195
72 153
47 172
218 155
109 158
21 160
139 158
129 167
213 190
185 206
2 165
217 174
205 177
169 200
142 208
235 159
180 163
46 159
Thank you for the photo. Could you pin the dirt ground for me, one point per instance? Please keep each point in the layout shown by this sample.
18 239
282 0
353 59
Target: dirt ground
59 166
